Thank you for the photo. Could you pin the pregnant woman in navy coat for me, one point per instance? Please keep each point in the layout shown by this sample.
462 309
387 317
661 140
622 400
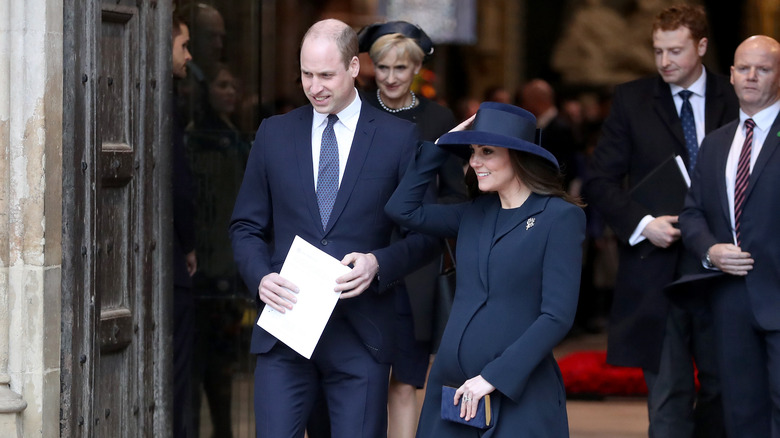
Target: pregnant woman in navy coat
519 255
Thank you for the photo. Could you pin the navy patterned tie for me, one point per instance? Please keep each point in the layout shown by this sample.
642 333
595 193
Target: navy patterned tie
689 129
328 176
743 175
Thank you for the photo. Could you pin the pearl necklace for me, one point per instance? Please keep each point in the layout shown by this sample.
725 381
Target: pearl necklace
403 108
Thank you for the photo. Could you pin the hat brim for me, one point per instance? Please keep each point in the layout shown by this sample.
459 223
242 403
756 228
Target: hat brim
458 143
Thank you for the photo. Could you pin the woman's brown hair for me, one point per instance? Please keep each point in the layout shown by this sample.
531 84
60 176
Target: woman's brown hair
540 175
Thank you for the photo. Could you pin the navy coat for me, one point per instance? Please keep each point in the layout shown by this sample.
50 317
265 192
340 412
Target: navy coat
515 300
643 129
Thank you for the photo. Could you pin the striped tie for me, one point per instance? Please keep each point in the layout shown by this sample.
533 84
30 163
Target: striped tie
328 176
743 176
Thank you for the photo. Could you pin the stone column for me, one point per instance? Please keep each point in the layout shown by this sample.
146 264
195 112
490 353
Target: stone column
11 403
30 216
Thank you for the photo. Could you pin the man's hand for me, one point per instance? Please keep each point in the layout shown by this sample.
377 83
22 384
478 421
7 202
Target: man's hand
277 292
730 259
661 231
364 269
192 262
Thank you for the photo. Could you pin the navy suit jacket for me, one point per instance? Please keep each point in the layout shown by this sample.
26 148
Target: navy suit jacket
643 129
277 201
705 220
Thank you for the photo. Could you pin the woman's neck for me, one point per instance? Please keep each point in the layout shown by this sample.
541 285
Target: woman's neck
515 197
404 101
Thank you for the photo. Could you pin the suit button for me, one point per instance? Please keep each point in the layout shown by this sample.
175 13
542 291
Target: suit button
324 242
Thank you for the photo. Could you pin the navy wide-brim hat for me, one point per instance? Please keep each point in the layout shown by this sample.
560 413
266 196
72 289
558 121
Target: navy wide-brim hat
369 34
502 125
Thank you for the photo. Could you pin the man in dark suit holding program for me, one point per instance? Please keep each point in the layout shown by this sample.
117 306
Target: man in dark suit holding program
730 224
324 172
652 120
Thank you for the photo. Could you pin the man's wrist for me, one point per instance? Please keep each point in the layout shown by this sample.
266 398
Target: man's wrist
708 260
638 235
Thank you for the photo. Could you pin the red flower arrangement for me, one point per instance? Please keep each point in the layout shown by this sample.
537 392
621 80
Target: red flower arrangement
587 374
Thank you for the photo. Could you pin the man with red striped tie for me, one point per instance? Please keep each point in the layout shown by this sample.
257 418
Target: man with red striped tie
730 222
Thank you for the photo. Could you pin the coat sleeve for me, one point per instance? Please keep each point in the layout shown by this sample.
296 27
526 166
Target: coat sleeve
407 207
694 227
251 225
611 162
413 249
561 267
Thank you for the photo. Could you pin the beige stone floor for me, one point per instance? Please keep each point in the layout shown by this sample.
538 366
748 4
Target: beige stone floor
610 418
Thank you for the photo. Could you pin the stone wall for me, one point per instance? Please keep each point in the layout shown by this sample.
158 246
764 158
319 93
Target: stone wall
30 216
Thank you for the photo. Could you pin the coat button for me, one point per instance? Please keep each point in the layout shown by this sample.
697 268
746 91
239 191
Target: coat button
324 242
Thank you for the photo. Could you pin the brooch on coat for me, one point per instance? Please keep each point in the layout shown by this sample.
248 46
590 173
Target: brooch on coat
530 223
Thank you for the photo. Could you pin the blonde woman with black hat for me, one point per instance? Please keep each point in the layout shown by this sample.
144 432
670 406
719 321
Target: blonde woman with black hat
519 253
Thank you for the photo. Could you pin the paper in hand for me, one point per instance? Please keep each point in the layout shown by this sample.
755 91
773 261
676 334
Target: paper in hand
315 274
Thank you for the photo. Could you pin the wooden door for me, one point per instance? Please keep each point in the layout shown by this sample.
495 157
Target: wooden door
116 280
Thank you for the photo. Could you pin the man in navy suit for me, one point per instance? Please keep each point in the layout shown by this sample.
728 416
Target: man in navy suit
644 129
284 194
730 224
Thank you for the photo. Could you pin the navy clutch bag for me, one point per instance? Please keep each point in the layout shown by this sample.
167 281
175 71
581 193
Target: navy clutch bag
451 412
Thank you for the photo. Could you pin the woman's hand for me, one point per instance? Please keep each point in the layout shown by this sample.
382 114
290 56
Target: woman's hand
464 124
472 391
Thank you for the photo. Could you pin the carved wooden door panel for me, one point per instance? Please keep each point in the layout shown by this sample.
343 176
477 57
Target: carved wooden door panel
116 219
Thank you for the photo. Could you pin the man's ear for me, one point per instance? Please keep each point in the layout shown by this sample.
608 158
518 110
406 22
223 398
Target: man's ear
354 67
731 75
701 47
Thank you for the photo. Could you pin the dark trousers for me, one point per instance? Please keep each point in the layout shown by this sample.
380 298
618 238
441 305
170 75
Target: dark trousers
750 362
675 408
318 425
353 382
213 357
183 339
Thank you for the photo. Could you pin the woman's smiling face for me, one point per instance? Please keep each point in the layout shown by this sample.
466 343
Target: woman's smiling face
494 170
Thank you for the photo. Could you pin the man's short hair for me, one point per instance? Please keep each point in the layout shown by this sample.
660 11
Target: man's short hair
692 17
345 37
176 23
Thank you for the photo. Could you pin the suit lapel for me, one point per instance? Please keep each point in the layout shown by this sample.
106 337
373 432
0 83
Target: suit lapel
361 143
522 216
663 104
303 152
489 235
722 157
488 226
767 150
